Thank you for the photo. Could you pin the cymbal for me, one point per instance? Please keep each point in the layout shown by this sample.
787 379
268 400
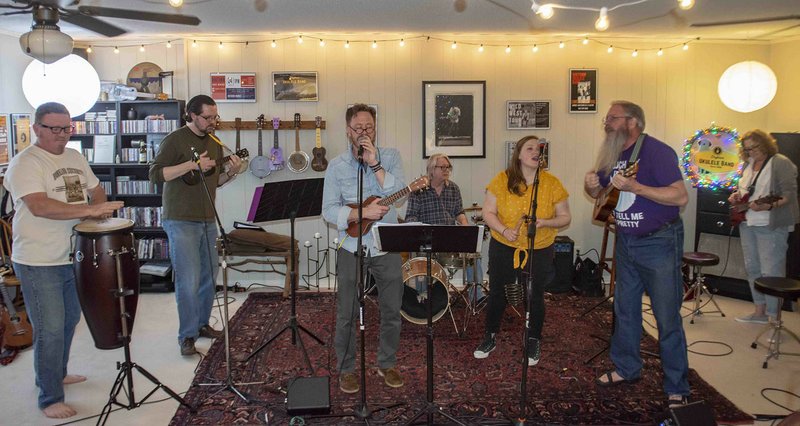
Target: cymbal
473 208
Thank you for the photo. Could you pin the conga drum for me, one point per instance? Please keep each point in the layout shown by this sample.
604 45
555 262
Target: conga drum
100 248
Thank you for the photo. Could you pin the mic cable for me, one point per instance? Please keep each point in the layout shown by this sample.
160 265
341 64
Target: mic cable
514 293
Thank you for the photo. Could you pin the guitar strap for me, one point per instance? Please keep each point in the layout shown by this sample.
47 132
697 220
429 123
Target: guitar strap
752 187
636 148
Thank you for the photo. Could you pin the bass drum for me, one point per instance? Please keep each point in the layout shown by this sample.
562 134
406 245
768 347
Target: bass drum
98 243
415 296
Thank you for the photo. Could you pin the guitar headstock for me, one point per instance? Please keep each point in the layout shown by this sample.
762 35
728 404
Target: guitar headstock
276 123
418 184
237 123
297 120
631 170
242 153
260 122
318 122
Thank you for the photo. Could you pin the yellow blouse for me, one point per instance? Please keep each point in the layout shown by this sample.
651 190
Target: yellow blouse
511 207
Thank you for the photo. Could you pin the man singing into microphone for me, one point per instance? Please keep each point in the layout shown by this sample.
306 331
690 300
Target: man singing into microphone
188 216
507 202
383 175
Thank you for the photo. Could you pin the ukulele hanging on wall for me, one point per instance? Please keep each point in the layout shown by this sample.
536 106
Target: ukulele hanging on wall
319 163
260 164
298 161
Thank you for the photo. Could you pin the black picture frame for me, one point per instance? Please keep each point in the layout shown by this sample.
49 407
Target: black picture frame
454 118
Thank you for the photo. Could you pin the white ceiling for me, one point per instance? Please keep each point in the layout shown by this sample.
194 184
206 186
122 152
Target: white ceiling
462 19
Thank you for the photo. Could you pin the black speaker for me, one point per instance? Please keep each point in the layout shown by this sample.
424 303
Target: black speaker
308 395
694 414
564 249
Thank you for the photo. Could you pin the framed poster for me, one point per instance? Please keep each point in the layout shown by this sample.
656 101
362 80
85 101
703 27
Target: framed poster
295 86
20 132
233 86
453 118
544 161
4 137
527 115
583 90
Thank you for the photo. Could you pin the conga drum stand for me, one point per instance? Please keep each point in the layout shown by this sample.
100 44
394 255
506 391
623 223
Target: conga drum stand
125 375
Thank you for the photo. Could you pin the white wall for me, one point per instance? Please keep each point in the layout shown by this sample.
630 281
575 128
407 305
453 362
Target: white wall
785 62
13 64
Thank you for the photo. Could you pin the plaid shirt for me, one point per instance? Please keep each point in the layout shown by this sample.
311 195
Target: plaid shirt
429 207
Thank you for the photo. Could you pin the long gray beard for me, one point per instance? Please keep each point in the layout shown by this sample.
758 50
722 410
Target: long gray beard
612 148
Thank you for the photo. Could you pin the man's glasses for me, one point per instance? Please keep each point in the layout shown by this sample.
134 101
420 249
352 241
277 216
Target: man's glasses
56 129
609 118
210 118
362 130
443 168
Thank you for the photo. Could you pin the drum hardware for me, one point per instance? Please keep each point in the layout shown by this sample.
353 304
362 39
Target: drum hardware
416 292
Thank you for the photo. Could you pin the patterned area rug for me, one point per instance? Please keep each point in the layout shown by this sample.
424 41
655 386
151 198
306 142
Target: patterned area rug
561 387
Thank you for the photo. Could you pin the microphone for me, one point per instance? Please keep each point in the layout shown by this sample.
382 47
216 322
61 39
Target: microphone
514 293
195 158
360 152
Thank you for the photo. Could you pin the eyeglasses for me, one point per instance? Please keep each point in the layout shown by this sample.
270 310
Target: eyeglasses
749 149
443 167
609 118
56 130
361 131
212 118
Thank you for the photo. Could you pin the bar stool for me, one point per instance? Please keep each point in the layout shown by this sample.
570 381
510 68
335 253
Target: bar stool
781 288
697 287
607 262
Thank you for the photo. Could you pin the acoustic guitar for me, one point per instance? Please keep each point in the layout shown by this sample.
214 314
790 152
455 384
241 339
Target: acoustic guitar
738 213
193 177
259 165
275 154
606 201
352 227
19 331
319 163
298 161
245 163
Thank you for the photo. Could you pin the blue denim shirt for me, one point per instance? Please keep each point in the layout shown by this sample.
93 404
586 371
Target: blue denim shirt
341 188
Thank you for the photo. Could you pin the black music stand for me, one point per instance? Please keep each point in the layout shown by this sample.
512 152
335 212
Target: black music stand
429 239
288 200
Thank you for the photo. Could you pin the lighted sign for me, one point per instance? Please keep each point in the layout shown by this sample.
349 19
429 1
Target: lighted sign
711 158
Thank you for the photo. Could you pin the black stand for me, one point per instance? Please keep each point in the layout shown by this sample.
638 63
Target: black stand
430 239
282 200
125 375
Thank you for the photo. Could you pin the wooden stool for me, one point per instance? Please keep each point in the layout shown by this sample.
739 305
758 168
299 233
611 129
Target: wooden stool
607 263
697 260
781 288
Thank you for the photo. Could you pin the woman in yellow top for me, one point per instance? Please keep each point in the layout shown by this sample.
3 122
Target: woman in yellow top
505 208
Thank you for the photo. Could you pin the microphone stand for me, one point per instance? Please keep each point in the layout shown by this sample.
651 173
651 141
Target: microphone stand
523 411
362 412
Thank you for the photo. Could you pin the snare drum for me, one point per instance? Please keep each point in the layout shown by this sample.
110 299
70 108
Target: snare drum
415 278
98 246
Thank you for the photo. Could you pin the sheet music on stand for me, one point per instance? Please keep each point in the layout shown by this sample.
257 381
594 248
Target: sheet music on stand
392 232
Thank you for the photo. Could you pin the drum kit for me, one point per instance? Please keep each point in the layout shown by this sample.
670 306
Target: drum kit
445 294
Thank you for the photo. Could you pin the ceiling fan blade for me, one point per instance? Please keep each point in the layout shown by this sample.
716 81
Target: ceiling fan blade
93 24
138 15
746 21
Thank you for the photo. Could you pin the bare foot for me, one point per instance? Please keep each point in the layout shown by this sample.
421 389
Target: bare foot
59 410
73 378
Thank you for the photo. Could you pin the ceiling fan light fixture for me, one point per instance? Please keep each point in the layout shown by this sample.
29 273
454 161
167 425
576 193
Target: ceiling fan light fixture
46 43
685 4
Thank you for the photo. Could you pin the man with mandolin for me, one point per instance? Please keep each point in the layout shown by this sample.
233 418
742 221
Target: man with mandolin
766 204
188 154
53 189
649 246
382 171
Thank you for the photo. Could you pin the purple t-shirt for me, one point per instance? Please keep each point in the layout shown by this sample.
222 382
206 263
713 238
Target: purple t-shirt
658 167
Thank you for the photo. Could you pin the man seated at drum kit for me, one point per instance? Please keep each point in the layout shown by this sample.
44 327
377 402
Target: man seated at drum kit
441 204
53 188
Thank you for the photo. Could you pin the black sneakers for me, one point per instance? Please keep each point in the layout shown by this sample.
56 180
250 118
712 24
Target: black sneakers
187 347
485 348
534 351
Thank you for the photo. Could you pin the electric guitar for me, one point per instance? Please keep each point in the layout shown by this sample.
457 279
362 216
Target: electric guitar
606 201
193 177
352 227
739 209
275 154
19 331
245 162
298 161
319 163
259 165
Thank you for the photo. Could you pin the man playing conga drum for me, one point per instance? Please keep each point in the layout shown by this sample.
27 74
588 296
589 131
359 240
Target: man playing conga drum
53 188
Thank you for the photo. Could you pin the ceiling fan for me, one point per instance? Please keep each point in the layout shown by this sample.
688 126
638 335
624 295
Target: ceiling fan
48 44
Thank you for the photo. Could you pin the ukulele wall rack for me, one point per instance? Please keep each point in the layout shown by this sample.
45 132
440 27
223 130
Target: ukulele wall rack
285 125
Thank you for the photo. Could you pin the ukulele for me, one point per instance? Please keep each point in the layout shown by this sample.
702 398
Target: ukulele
19 331
298 161
319 163
259 165
275 154
606 201
739 209
238 126
352 227
193 178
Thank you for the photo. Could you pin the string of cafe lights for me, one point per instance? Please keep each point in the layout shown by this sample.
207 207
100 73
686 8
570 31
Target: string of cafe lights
534 47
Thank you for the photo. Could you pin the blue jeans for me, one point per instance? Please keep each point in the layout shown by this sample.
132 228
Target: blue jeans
54 310
653 264
764 251
192 250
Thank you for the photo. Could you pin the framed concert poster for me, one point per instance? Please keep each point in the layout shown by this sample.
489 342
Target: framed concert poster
4 137
583 90
521 115
454 117
20 132
233 86
295 86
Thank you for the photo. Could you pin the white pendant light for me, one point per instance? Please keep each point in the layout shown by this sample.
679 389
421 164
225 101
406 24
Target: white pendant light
747 86
71 81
